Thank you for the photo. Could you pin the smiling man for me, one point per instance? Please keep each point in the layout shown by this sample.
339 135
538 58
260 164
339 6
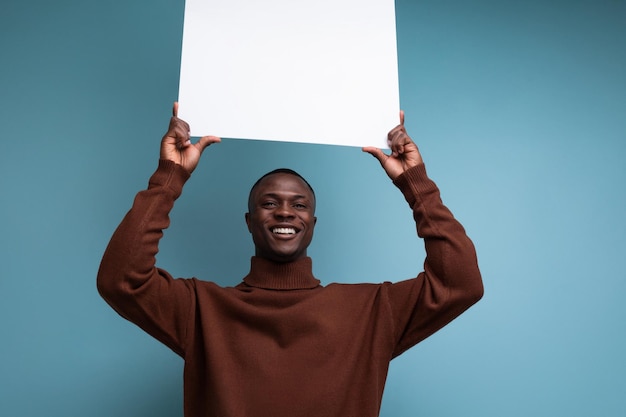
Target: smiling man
279 343
281 215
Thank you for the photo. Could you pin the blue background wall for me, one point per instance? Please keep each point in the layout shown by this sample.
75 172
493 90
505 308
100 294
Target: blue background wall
519 108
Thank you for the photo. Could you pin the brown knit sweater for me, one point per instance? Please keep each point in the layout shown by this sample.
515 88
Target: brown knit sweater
280 344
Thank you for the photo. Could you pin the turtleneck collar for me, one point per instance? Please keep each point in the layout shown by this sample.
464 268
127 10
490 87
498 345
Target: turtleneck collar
297 275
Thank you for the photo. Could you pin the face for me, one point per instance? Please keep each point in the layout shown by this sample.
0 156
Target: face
281 218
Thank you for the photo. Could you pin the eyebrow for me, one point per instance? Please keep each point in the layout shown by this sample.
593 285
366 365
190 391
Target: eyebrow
278 196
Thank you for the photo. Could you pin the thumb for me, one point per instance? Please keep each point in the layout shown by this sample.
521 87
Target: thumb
205 141
376 153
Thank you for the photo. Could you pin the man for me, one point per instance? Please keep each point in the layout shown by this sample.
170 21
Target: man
280 344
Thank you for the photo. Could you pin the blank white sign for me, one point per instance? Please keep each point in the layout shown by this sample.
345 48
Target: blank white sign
316 71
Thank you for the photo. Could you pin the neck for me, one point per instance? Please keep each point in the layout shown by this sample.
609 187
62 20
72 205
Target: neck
271 275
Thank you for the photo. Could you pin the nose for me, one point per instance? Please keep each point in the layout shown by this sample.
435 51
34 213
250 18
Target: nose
284 211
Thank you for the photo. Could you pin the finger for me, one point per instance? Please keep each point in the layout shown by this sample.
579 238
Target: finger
178 127
391 146
402 117
394 132
185 126
396 141
376 153
183 143
175 109
206 141
181 130
181 136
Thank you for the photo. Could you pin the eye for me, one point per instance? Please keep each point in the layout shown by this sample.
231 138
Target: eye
268 204
300 206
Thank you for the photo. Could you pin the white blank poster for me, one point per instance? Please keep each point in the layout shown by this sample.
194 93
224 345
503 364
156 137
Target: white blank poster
316 71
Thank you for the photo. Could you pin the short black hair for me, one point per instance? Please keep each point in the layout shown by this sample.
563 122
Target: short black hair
277 171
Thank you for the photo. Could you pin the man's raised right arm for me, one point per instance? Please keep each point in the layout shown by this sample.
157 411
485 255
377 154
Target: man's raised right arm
128 278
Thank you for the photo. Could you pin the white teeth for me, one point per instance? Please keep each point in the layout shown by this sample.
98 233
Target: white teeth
284 230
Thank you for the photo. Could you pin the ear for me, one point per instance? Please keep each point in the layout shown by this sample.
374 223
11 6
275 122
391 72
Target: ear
248 222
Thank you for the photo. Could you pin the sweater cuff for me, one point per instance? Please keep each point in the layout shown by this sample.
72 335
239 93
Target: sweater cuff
414 182
171 175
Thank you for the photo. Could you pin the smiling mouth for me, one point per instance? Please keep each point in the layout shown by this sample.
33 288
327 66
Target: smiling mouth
284 231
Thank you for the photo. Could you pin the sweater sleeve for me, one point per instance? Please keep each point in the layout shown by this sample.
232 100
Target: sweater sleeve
451 281
128 279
